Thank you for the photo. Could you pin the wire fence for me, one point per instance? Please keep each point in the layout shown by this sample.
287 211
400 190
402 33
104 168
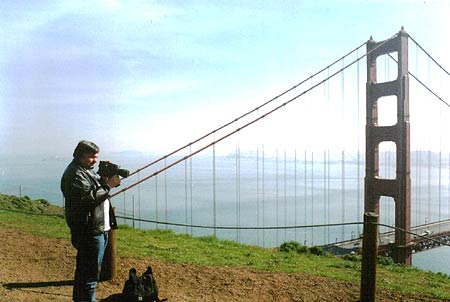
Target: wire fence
444 241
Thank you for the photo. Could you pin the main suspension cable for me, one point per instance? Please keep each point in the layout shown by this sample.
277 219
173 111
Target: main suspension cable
253 121
429 89
440 66
424 85
245 114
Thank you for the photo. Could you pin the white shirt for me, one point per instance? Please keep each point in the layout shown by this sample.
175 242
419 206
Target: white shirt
106 215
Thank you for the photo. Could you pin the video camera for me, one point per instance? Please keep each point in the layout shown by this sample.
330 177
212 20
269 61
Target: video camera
108 169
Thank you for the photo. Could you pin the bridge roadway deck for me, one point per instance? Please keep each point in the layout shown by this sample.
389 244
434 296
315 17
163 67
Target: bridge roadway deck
421 239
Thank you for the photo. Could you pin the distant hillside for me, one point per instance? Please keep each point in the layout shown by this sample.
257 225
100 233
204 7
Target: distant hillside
25 203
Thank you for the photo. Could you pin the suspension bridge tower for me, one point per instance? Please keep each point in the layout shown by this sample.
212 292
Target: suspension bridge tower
400 187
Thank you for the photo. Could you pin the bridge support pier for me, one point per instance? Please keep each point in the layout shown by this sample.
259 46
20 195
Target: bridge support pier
402 253
400 187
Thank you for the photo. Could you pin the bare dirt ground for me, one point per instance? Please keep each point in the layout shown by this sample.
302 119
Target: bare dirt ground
35 269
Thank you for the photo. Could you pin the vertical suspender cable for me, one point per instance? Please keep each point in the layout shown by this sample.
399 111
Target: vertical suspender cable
429 160
358 159
132 204
285 196
312 190
324 196
191 189
186 195
214 191
325 170
343 153
257 194
429 186
139 201
295 193
440 181
276 196
343 194
328 193
263 123
328 162
383 205
312 197
387 205
305 201
124 208
237 193
419 177
156 200
419 159
418 163
391 204
440 163
263 195
417 189
165 193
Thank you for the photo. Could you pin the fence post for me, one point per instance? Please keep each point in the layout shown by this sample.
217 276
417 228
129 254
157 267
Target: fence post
109 264
369 257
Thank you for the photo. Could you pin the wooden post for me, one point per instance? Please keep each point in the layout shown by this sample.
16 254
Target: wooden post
109 264
369 257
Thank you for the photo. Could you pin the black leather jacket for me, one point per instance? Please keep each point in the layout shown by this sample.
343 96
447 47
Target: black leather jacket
84 196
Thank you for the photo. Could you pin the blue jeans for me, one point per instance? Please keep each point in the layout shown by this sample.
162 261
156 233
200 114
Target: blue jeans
91 249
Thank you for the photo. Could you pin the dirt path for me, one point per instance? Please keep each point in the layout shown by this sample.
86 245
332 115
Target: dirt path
35 269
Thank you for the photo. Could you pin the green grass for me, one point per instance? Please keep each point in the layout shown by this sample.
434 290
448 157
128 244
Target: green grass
209 251
38 206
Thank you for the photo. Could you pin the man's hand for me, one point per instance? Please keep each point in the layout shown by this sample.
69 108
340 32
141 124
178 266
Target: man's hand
113 181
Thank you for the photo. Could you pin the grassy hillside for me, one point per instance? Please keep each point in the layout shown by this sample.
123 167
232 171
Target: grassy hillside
38 206
209 251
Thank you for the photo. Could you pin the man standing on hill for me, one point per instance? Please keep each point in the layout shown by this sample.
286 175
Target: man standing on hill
89 215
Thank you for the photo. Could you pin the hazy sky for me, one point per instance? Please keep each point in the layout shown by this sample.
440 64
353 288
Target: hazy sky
152 75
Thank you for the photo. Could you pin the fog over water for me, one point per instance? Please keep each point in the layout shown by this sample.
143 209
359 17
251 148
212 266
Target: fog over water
200 192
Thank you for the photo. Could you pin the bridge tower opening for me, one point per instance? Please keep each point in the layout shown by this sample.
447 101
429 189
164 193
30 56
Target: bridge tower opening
399 187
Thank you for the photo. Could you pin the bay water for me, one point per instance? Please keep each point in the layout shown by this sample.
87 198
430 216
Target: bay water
243 191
